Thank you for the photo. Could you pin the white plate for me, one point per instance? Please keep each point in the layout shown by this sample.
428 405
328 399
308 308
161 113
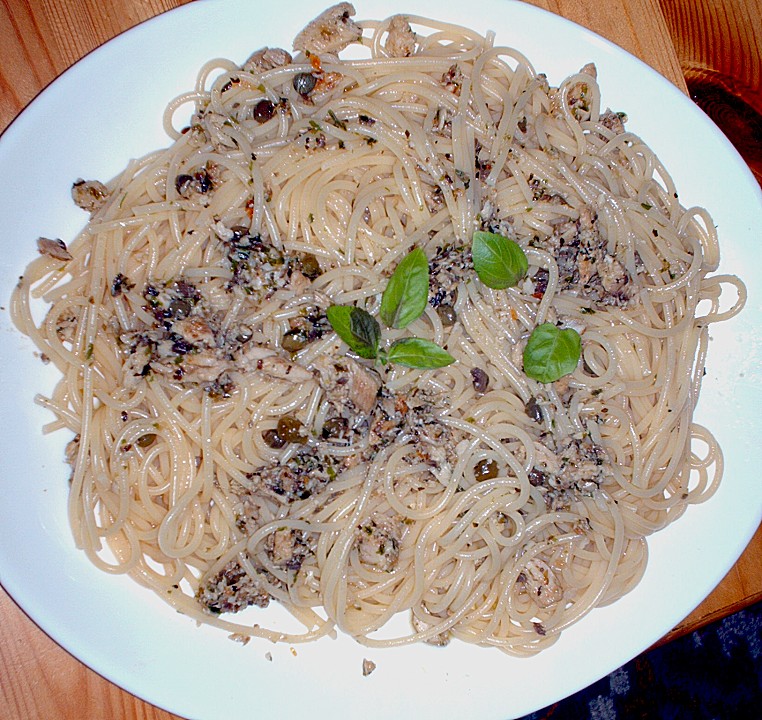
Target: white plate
106 110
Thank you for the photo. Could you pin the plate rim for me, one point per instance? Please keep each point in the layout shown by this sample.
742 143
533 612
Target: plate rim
112 46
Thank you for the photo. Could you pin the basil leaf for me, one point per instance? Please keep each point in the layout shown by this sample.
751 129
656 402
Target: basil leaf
551 352
418 353
366 329
499 262
357 328
407 291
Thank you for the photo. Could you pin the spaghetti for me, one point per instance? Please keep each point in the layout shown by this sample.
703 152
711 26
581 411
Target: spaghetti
229 450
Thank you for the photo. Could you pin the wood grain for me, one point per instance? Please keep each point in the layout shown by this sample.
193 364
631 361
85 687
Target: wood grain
638 26
39 39
719 48
38 679
719 36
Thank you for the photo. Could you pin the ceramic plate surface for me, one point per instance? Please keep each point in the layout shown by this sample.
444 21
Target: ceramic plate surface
106 110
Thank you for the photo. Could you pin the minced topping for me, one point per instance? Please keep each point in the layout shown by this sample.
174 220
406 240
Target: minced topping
378 541
448 268
232 589
330 32
568 467
295 479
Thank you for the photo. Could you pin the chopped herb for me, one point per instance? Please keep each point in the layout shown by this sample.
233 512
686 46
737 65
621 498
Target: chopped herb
463 177
337 121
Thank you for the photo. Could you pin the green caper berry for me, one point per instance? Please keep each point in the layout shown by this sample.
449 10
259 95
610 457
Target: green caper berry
294 340
146 440
180 309
485 470
447 314
291 430
334 428
310 266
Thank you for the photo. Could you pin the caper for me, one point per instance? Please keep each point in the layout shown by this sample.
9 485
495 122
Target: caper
537 477
202 182
244 334
291 429
272 439
263 111
294 340
222 387
485 470
146 440
180 309
480 379
447 314
310 266
533 409
335 428
239 231
183 184
304 83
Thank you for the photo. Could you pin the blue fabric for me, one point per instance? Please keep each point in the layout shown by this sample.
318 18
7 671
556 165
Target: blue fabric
711 674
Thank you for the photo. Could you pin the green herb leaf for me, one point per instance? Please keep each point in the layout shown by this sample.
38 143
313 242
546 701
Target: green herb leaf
337 121
407 292
357 328
551 352
366 329
418 353
499 262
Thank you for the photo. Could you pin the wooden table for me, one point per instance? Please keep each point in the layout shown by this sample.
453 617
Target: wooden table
39 39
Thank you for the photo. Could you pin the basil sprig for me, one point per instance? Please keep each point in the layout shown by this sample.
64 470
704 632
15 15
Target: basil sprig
498 261
407 292
551 352
403 301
